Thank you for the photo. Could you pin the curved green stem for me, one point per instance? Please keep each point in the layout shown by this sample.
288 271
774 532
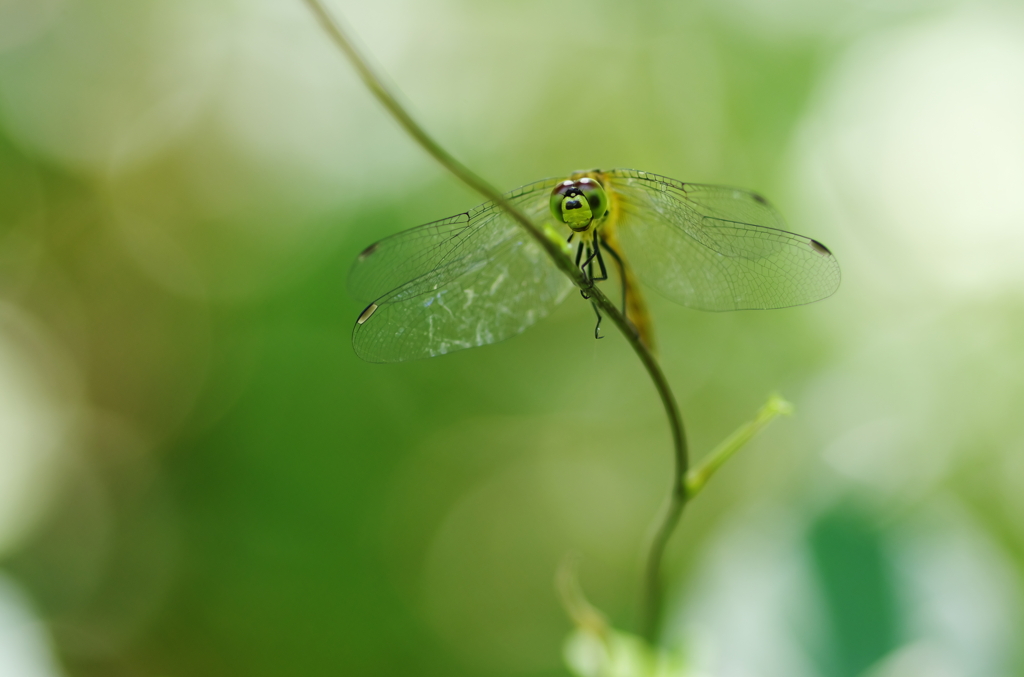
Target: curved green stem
670 515
556 250
693 482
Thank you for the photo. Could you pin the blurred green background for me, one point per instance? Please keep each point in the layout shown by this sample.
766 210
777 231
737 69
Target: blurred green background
198 477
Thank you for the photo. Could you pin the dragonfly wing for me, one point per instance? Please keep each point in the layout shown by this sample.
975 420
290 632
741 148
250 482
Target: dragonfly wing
489 285
405 256
717 248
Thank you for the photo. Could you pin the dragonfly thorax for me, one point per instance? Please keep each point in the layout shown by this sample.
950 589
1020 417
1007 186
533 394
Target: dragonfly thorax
579 204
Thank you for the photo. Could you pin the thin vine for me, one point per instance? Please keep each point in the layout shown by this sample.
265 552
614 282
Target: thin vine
556 250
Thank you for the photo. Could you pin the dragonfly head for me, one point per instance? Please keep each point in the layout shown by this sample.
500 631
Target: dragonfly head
579 203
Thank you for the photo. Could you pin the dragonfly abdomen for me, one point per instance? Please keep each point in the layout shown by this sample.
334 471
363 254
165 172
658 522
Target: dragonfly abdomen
635 305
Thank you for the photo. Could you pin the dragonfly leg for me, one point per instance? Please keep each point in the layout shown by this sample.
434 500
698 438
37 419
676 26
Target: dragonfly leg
588 264
600 260
579 256
597 327
622 272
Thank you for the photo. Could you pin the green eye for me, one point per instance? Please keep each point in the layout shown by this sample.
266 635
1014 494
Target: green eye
577 203
595 196
558 195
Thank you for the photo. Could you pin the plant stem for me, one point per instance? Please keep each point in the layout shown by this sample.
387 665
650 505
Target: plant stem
698 477
671 513
555 249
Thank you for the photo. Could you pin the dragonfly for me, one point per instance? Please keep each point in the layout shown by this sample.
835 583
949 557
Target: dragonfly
479 277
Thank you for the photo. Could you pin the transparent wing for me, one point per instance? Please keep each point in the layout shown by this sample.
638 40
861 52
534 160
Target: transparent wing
470 280
717 248
405 256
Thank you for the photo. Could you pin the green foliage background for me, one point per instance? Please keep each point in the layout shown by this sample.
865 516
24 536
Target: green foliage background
202 479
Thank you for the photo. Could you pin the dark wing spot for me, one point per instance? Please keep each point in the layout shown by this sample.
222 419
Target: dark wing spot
365 315
820 248
761 199
369 250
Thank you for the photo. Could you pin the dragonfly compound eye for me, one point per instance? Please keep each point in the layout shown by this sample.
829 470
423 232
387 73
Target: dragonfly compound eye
577 203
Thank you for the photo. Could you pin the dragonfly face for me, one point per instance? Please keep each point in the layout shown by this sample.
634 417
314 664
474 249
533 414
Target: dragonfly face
579 203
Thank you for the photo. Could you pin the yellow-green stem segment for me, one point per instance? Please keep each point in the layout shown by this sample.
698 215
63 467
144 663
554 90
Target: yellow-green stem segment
698 477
